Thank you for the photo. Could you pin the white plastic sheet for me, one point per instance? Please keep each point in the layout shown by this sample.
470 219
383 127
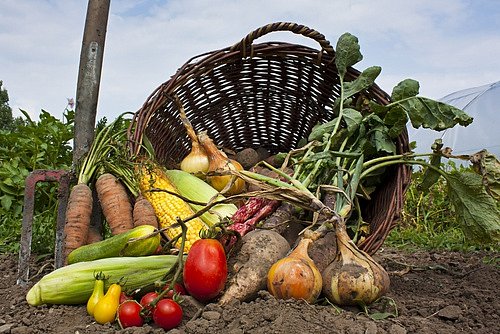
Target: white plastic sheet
483 104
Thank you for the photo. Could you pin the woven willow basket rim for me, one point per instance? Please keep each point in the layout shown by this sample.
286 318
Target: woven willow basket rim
157 112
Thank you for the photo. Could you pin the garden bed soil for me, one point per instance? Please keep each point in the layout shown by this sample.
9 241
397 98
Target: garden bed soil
431 292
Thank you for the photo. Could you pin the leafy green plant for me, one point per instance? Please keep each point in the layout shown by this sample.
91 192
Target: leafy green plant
429 220
43 144
352 151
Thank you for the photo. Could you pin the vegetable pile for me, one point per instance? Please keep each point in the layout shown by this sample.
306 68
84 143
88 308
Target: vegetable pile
225 225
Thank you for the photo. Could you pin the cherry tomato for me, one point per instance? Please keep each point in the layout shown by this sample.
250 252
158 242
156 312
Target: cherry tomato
124 297
205 270
178 288
129 314
167 314
148 298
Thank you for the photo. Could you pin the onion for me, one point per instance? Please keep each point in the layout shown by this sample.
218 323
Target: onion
219 162
196 162
353 278
295 276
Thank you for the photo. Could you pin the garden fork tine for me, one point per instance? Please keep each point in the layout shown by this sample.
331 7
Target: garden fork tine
63 178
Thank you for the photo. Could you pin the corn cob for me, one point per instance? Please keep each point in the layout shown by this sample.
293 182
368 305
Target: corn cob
168 207
73 284
194 188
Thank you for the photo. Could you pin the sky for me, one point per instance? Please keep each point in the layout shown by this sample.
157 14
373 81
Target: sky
446 45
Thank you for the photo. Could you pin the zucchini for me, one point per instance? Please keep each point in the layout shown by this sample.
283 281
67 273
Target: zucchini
140 241
74 283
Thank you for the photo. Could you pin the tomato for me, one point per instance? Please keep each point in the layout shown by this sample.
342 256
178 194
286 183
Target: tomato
178 288
129 314
167 314
148 298
205 270
124 297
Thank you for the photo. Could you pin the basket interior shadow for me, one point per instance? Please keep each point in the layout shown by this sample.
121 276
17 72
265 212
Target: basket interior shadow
263 95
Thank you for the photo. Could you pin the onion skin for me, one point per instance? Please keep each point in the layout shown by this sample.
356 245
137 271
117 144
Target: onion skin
353 278
196 162
219 162
220 182
295 276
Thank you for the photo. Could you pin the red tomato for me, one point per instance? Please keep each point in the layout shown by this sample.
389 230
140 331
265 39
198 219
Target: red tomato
148 298
129 314
205 270
167 314
124 297
178 288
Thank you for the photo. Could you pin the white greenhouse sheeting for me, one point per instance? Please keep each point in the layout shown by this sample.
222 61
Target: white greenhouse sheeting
483 104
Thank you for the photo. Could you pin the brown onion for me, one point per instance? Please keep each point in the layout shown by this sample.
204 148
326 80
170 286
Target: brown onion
196 162
295 276
219 162
353 278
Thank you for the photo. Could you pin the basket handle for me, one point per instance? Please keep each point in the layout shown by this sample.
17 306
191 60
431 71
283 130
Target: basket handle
247 41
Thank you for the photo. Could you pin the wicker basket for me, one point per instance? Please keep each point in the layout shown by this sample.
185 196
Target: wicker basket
262 95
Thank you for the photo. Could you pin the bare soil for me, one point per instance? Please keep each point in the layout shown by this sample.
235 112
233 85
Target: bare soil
431 292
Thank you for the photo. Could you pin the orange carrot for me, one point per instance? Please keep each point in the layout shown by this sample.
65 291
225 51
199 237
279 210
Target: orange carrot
78 214
144 213
115 203
94 235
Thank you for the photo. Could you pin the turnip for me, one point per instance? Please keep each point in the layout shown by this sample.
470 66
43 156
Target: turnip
260 249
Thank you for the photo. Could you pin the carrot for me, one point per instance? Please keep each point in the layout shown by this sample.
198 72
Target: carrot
80 203
115 203
78 214
94 235
144 213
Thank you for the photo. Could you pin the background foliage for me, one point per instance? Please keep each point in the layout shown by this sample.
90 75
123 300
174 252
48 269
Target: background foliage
428 219
27 145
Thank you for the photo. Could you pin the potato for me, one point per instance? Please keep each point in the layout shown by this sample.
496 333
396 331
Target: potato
248 269
248 157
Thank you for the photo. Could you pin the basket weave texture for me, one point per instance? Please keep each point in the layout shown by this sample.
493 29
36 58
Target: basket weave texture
262 95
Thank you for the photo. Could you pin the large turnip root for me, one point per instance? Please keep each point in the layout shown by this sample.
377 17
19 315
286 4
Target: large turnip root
248 268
